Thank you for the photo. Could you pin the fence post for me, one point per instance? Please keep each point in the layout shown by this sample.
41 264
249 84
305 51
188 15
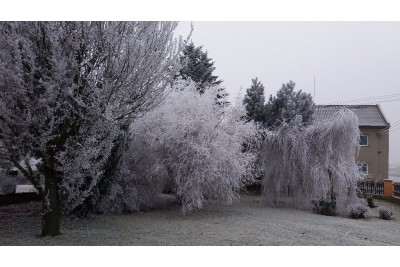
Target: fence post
388 188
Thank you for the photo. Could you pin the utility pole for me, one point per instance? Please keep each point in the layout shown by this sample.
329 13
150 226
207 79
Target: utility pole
314 89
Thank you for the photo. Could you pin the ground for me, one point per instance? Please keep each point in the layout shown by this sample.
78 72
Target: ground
244 223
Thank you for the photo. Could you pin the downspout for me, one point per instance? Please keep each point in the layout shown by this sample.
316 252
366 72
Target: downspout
379 158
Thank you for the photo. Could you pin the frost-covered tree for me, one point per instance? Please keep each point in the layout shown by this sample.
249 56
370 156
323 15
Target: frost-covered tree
301 164
189 143
287 104
254 101
67 92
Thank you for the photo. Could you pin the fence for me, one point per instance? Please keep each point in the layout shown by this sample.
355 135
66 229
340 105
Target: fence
371 187
396 189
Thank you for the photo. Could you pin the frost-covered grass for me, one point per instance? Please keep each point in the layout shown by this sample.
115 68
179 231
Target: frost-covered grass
243 223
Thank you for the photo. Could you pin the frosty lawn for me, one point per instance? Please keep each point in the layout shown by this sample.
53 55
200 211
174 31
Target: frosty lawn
243 223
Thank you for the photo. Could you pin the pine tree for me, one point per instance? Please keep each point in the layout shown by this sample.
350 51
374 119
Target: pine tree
197 66
287 104
254 101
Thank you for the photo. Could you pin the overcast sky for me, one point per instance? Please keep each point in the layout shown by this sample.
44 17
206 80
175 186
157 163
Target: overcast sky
349 60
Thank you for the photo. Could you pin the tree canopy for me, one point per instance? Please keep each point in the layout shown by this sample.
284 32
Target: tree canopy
192 145
254 101
197 66
301 164
66 90
287 104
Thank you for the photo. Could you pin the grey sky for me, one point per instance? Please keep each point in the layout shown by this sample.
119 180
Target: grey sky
350 60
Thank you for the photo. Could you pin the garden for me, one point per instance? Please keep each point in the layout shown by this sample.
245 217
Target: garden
244 223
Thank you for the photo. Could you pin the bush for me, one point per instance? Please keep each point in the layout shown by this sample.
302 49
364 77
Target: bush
385 213
324 207
357 211
370 202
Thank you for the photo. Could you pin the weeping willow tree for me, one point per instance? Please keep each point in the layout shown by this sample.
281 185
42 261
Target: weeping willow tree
318 162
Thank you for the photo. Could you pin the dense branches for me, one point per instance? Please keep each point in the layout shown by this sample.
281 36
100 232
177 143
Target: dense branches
317 162
287 105
191 144
282 108
197 66
254 102
67 89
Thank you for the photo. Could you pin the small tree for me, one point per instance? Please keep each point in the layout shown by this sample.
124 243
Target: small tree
254 101
287 104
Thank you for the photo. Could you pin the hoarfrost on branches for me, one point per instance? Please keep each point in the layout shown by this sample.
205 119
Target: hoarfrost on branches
357 211
191 145
66 91
302 164
385 212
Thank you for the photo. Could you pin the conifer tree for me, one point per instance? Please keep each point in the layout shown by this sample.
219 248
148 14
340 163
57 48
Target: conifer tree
197 66
254 101
287 104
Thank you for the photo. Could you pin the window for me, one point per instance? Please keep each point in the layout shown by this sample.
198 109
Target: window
363 167
363 140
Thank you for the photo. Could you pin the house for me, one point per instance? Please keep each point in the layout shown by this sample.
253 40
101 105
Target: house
373 158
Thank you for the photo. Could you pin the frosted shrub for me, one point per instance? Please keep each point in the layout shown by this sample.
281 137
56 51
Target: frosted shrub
190 144
324 207
315 162
385 213
357 211
139 182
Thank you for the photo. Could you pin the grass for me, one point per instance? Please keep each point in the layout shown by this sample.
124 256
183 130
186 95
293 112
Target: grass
244 223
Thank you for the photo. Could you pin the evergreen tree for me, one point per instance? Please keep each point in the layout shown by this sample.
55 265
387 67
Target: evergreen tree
254 101
197 66
287 104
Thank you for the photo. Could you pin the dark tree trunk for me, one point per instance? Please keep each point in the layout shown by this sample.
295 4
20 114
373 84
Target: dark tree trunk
333 197
51 204
370 202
